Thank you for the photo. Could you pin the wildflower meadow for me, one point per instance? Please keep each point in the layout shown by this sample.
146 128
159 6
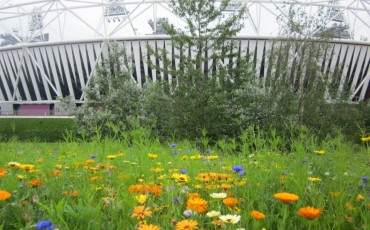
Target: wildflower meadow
143 183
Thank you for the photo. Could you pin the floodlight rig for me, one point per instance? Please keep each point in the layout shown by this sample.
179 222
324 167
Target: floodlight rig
115 11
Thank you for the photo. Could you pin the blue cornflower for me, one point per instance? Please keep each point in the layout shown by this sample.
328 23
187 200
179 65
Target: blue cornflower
365 178
93 156
187 151
362 186
183 171
304 160
177 199
44 224
173 145
237 168
175 152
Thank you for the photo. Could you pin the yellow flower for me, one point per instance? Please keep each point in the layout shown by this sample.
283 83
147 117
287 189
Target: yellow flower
320 152
180 177
309 212
157 170
257 215
111 157
360 197
121 153
152 156
148 227
314 179
141 199
286 197
334 194
365 139
196 157
21 177
26 167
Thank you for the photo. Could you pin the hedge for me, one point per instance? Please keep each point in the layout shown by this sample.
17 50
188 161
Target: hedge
39 129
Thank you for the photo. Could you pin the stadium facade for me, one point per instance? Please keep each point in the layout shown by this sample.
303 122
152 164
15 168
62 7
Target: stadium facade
37 68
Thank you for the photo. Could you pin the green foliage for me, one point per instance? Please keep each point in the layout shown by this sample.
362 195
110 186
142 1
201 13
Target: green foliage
205 85
111 96
39 129
209 85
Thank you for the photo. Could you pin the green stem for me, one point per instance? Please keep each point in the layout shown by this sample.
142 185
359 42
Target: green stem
284 216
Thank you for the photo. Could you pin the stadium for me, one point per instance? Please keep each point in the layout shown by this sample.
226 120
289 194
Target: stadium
49 49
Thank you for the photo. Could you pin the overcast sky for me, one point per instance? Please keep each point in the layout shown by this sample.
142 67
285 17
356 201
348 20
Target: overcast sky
72 24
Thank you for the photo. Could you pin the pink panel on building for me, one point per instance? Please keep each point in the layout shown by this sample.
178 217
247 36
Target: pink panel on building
34 110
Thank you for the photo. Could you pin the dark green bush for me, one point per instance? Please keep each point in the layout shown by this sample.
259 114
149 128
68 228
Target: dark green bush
39 129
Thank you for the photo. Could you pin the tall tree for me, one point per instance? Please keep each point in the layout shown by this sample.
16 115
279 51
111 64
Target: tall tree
210 65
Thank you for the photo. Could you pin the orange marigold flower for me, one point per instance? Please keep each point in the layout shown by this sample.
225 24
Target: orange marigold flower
231 202
217 222
57 173
197 204
140 212
350 206
148 227
193 195
257 215
4 195
335 194
286 197
2 172
309 212
35 183
187 225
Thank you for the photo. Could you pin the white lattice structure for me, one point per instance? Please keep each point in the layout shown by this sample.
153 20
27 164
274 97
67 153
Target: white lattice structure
50 48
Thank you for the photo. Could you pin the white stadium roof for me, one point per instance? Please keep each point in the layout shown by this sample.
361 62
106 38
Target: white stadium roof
63 20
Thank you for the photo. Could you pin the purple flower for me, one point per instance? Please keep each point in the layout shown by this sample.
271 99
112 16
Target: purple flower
365 178
183 171
173 145
175 152
237 168
304 160
187 151
241 173
44 224
93 156
362 186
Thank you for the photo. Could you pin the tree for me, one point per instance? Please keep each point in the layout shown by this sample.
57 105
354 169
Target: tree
111 98
210 68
